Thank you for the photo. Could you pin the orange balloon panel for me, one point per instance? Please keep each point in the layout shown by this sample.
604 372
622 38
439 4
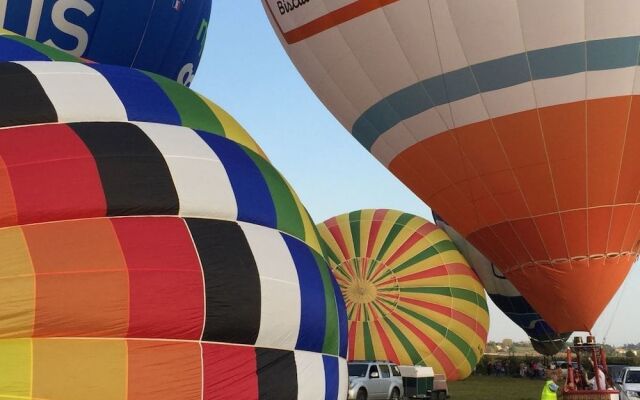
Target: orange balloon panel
577 240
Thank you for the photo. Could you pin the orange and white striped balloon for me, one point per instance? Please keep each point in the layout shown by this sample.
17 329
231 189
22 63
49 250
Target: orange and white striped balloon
517 121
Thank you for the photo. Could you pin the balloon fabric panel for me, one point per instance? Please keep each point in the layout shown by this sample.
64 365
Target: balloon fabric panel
125 150
173 292
143 369
230 275
32 106
74 260
16 47
145 96
503 241
85 160
50 92
143 277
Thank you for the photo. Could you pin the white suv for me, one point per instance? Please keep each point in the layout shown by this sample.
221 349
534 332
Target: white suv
374 380
628 382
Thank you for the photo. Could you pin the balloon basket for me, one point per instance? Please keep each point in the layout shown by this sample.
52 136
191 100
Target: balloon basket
590 356
591 395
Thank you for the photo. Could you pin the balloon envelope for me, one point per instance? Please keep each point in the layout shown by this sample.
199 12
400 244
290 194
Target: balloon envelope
166 37
513 119
543 338
107 93
411 297
140 258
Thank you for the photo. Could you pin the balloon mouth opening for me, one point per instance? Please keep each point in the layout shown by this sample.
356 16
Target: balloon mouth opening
371 286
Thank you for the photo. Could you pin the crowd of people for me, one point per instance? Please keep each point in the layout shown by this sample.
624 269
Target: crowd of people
531 369
535 369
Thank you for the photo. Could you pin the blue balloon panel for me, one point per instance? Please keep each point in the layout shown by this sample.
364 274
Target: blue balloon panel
162 36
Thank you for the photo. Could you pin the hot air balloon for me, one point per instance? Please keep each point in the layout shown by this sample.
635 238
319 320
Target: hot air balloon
543 339
166 37
98 92
512 119
147 248
411 297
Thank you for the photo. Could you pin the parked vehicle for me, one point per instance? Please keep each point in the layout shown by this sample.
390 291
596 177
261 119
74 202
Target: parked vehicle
628 382
440 387
422 383
615 370
374 380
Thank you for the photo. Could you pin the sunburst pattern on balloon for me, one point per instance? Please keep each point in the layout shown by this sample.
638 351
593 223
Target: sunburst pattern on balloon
411 296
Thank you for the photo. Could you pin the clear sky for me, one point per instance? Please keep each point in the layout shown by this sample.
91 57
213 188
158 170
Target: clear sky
246 71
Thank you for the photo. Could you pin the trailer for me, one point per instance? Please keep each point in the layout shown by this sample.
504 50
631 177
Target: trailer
421 383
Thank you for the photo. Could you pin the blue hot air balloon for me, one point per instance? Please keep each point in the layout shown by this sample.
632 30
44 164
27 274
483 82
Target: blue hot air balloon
166 37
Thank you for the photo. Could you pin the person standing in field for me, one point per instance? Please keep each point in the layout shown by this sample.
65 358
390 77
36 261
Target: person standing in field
551 387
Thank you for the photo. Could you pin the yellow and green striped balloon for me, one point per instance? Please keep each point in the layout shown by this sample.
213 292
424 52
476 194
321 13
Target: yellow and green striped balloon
411 297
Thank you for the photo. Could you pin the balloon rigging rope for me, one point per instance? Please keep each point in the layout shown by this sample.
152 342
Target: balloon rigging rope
144 33
615 311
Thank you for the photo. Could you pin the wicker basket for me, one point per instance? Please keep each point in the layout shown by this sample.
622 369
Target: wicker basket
592 395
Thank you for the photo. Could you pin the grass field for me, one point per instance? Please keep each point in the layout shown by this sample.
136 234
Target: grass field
494 388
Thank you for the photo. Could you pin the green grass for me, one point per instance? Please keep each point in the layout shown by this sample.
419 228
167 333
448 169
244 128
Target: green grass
493 388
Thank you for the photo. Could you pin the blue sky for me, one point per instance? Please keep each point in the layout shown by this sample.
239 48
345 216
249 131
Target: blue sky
246 71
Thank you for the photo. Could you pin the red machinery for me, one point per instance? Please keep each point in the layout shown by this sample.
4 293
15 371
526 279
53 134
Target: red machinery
578 386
